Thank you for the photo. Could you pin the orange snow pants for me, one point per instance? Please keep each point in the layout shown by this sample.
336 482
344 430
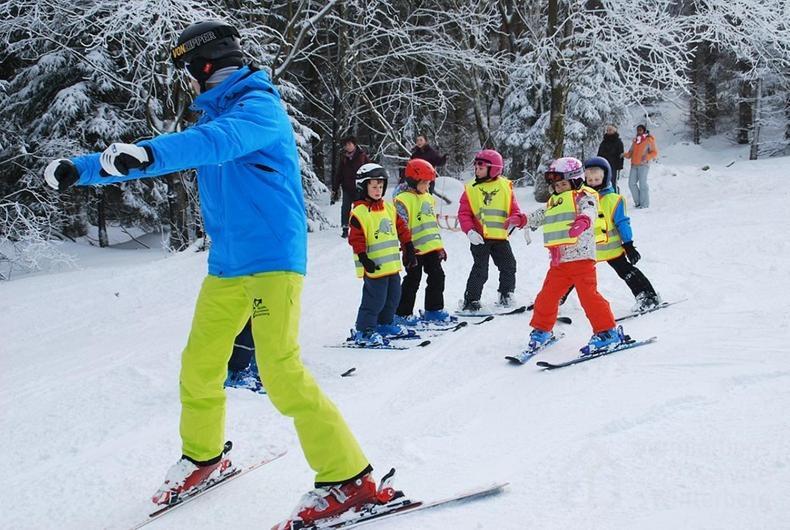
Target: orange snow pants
580 274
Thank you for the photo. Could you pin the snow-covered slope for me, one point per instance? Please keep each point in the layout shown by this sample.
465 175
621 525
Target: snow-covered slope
691 432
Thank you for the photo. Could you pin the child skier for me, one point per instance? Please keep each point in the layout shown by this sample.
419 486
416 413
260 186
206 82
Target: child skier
487 210
375 229
251 198
568 233
617 249
417 207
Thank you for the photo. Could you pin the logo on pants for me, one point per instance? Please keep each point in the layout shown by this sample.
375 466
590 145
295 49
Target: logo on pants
258 308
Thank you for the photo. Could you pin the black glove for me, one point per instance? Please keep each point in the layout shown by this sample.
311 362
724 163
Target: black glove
442 254
631 253
409 256
369 264
61 174
335 197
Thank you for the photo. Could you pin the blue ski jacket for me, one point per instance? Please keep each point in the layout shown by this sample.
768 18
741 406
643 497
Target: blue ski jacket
244 150
621 220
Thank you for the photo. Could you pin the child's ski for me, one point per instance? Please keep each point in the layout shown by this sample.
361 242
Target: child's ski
400 506
529 353
184 500
635 314
630 343
473 314
354 345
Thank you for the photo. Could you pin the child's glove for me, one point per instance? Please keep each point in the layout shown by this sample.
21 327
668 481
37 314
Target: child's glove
369 264
335 197
580 224
442 255
535 219
516 220
409 256
631 253
475 238
61 174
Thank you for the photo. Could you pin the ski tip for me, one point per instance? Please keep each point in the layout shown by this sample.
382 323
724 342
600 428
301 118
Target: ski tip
349 372
513 360
423 343
565 320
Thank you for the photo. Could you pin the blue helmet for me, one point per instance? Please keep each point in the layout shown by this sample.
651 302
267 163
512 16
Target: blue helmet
602 163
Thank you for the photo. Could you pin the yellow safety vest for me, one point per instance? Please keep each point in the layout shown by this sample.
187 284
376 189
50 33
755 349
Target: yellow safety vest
561 211
490 202
421 209
381 237
612 245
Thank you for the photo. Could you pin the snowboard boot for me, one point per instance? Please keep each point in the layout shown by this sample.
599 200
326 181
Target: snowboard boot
185 478
538 338
368 339
604 341
327 502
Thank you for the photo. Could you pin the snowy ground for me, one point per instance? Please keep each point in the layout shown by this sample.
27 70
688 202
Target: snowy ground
691 432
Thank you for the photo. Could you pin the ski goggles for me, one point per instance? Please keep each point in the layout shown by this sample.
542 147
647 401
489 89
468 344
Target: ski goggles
479 162
552 177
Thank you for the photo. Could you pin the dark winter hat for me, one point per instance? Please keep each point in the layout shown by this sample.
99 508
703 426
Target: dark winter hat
207 46
640 126
602 163
349 139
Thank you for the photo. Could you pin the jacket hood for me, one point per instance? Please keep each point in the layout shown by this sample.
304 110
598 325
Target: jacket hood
213 101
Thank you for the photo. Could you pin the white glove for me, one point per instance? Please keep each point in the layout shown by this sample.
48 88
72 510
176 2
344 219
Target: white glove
60 174
475 238
118 159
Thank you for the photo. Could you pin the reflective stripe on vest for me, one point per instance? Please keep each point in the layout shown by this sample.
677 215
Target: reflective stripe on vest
560 213
490 203
381 238
421 209
612 247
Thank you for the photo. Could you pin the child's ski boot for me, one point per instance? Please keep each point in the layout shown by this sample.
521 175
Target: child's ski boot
369 339
407 320
604 341
391 331
438 316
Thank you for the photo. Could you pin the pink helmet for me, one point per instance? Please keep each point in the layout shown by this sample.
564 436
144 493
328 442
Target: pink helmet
493 160
566 168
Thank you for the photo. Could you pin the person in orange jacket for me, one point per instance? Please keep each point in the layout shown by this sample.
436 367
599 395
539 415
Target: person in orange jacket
643 149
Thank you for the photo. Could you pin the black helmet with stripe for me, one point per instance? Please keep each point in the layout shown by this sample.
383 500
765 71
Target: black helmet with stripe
205 47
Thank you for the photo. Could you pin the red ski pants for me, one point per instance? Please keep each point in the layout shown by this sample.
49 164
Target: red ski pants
580 274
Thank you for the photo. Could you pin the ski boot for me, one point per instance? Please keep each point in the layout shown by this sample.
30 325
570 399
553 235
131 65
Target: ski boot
471 306
407 320
245 379
437 316
505 300
393 330
645 301
327 502
368 339
604 341
538 338
185 478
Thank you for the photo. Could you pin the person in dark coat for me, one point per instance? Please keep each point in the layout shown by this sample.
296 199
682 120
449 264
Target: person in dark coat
612 150
351 159
425 152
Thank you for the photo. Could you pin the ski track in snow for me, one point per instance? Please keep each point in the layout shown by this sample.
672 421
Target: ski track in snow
688 432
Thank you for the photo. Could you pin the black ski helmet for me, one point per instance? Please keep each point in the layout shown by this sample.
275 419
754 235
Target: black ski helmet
206 46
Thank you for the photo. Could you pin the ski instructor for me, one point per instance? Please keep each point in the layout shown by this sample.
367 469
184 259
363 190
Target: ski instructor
244 150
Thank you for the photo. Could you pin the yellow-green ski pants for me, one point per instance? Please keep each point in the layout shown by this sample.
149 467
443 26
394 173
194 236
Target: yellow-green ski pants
272 299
